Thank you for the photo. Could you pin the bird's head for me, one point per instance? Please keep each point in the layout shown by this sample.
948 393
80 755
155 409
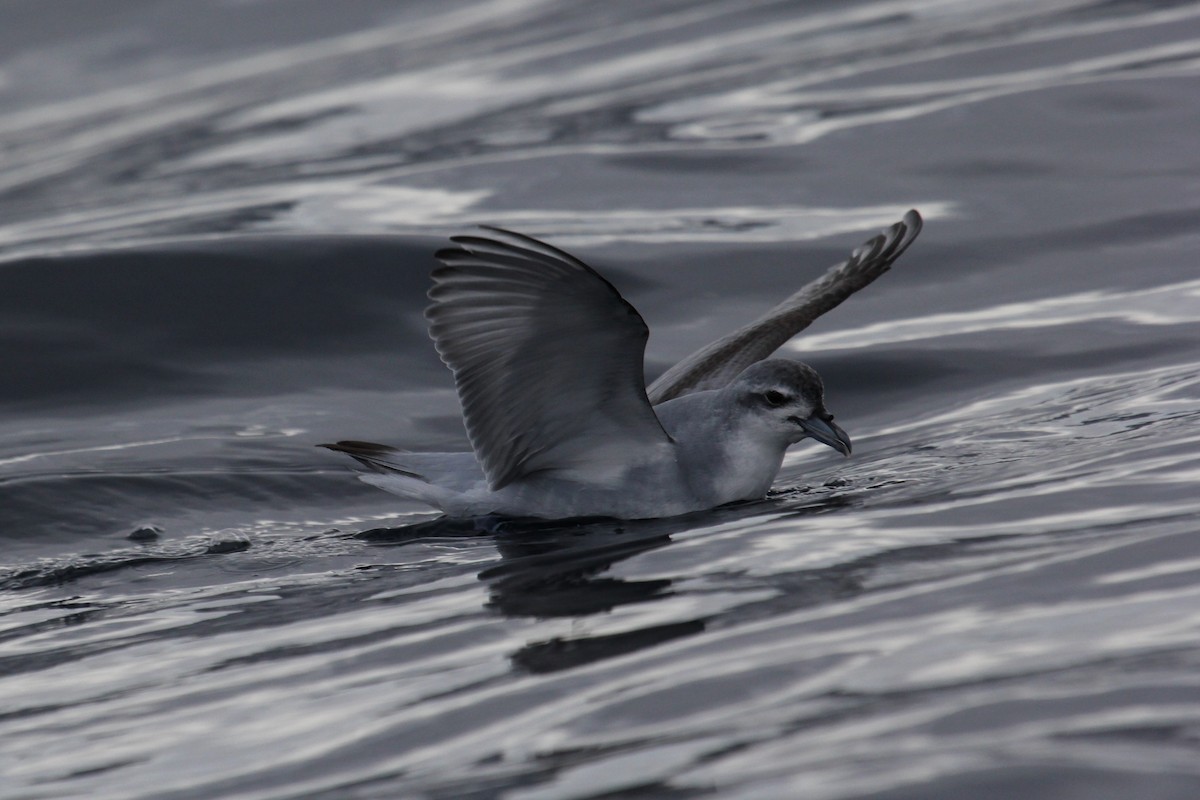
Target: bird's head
785 400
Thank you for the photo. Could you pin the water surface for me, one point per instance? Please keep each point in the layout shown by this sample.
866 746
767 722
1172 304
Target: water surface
216 227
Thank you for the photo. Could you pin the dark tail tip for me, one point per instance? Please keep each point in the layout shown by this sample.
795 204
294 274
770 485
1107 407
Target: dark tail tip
356 448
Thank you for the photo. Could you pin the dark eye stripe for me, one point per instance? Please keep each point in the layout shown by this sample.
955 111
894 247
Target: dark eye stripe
775 398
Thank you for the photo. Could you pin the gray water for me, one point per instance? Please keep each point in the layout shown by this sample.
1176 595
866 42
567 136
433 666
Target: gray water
216 227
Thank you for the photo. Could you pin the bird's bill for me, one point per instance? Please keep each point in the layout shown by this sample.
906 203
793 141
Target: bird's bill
825 432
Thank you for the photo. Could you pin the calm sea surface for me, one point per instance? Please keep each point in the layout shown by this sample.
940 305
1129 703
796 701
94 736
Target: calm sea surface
216 227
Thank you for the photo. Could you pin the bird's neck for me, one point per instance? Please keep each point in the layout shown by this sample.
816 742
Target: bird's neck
719 457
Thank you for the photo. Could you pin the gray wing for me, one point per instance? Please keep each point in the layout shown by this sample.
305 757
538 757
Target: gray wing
547 357
714 366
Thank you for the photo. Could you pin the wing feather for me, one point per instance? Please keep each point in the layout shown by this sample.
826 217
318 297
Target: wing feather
547 358
719 363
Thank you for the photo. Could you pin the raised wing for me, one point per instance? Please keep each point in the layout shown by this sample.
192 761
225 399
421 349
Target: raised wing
547 357
714 366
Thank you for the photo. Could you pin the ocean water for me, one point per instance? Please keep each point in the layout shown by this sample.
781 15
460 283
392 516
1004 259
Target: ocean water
216 228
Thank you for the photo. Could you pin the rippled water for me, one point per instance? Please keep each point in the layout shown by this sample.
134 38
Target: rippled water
216 223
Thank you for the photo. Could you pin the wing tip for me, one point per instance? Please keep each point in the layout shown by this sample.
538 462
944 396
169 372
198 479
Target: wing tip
878 253
519 244
906 231
467 239
444 253
911 224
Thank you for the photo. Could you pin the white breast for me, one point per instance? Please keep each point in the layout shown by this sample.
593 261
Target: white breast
748 470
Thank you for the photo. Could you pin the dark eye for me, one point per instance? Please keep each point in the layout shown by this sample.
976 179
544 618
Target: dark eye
775 398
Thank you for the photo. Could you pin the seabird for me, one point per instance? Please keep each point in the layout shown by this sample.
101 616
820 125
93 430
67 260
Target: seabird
547 359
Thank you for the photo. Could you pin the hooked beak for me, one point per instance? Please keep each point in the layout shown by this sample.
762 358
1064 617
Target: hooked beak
820 427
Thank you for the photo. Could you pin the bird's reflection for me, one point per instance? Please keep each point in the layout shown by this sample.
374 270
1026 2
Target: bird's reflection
562 569
563 572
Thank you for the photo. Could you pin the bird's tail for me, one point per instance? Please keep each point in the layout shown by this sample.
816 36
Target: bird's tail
441 480
376 457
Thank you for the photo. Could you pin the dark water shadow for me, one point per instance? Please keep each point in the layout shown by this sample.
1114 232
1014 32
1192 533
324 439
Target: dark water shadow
248 315
549 571
561 569
57 573
557 568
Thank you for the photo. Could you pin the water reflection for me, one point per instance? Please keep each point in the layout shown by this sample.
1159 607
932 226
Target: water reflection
564 569
1001 599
